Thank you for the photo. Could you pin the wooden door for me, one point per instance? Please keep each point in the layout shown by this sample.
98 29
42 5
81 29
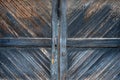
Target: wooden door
60 39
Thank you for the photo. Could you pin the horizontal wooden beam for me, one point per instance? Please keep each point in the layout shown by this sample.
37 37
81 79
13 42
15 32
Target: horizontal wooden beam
25 42
71 42
93 42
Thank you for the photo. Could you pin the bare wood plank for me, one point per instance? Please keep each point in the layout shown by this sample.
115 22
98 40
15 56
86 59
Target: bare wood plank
71 42
93 42
25 42
63 39
54 61
31 21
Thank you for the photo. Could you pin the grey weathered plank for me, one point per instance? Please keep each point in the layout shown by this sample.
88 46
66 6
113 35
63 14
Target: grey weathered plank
94 63
93 42
71 42
63 40
25 42
54 59
25 63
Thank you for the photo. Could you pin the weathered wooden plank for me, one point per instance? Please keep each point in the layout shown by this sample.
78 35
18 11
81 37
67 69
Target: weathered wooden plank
63 39
93 18
71 42
23 20
93 42
25 42
54 59
25 63
94 63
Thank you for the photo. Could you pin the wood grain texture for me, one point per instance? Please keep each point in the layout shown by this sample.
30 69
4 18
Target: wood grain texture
70 43
28 19
94 63
25 63
26 42
55 33
25 18
93 18
63 39
87 59
93 42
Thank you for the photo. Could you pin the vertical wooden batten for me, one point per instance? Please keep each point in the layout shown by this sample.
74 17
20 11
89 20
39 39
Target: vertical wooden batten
63 37
54 60
59 36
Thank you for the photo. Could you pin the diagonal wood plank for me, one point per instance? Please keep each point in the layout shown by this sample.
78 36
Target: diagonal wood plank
32 21
24 63
93 18
94 63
